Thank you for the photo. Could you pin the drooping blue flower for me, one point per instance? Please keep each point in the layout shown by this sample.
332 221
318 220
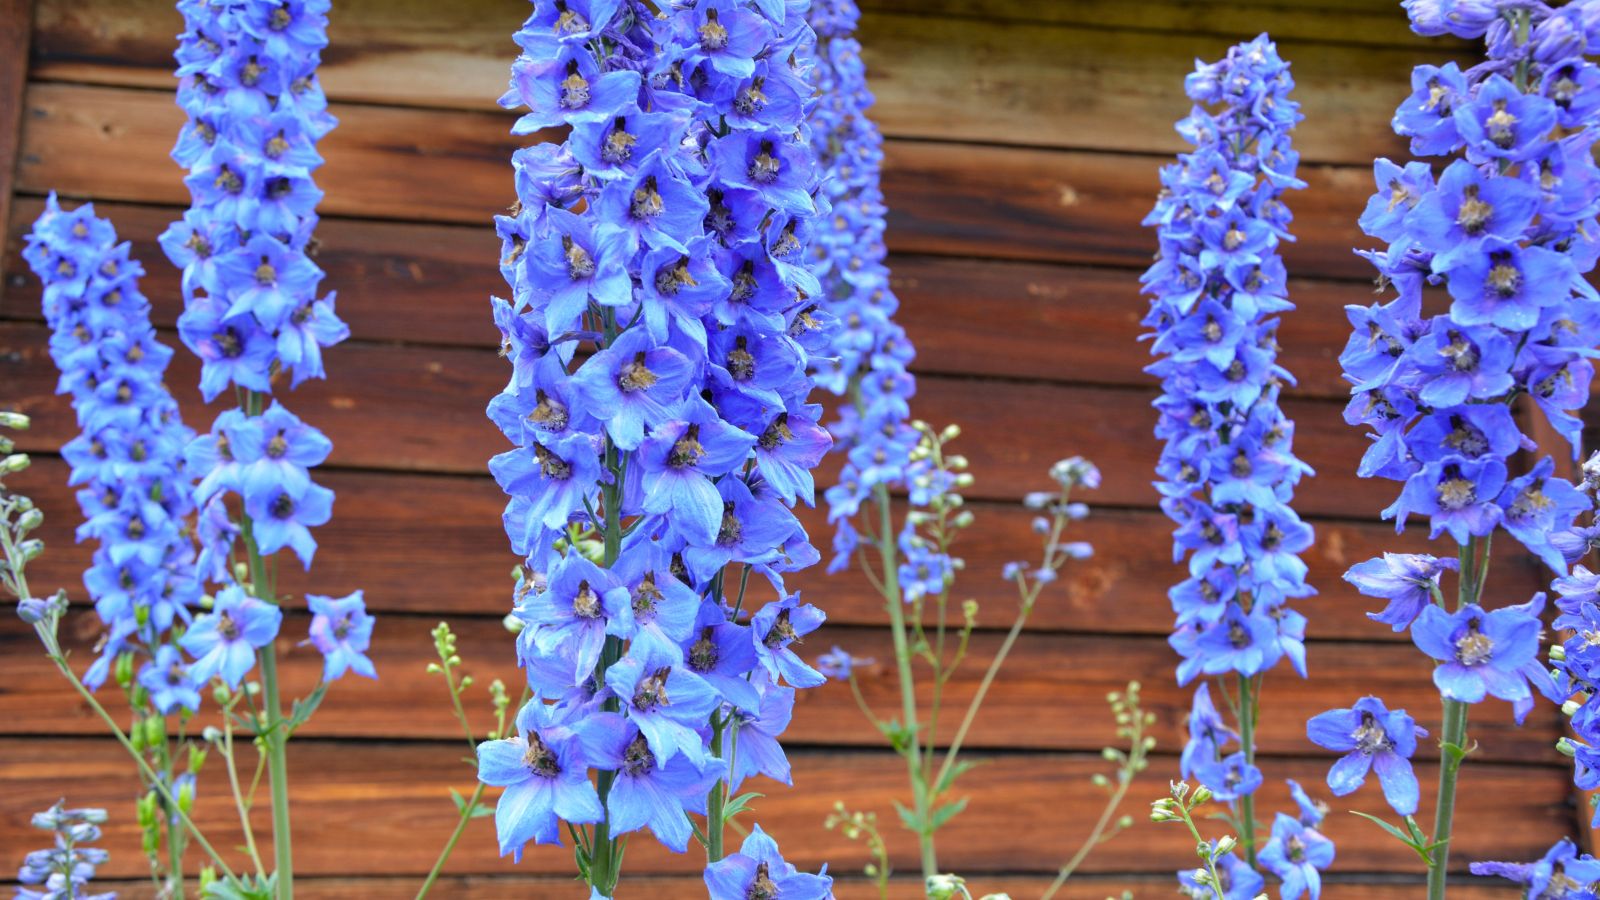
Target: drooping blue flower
1407 580
1297 854
1562 874
170 683
759 870
1372 737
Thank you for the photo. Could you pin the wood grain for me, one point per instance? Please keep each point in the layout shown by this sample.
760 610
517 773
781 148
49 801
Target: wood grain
1047 81
379 807
949 199
16 33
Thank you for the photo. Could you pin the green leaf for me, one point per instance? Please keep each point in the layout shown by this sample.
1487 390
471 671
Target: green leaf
1401 836
739 804
460 801
956 771
481 810
907 817
302 709
945 813
252 888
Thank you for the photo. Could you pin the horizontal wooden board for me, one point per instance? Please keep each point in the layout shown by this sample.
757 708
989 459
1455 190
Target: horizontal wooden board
846 885
418 408
427 284
390 800
949 199
1066 675
974 78
434 545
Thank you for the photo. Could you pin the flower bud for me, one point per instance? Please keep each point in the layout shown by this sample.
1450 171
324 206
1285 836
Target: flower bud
16 462
29 550
124 670
33 610
1202 794
14 420
1225 844
944 887
30 520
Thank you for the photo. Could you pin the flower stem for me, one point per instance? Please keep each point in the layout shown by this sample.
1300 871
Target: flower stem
1454 733
278 774
715 825
908 686
450 845
1247 737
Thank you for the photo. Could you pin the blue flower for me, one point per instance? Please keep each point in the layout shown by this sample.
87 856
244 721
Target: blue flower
776 629
1481 653
1562 874
170 683
342 631
1372 737
1407 580
1501 122
546 778
1297 854
1469 207
667 700
648 792
1312 812
1239 881
759 870
224 641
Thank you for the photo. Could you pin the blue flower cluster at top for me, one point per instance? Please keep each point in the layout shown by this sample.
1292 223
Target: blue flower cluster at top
870 353
63 871
1227 471
252 312
668 236
1508 230
128 460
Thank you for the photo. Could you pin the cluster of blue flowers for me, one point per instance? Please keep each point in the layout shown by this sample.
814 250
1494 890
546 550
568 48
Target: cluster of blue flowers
1228 470
1487 256
870 355
252 312
128 461
63 872
669 237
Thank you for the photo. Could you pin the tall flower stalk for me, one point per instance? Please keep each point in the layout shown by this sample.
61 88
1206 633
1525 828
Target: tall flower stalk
1486 255
911 563
136 498
254 316
661 320
1227 472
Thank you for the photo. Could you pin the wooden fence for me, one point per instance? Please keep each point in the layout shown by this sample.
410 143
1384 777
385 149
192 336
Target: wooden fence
1024 138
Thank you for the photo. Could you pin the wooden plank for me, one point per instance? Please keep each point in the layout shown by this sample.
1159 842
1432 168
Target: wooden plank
428 284
402 537
389 799
1067 674
845 884
975 78
391 163
418 409
16 32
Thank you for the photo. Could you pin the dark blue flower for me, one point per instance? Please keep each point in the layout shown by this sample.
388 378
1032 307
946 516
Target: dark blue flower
545 775
1480 653
341 630
759 870
1372 738
1297 854
224 641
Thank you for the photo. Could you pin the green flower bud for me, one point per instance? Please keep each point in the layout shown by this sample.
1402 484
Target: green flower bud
14 420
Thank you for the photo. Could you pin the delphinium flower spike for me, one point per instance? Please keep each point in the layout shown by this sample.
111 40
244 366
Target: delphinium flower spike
1228 471
660 327
63 871
255 316
1486 256
133 487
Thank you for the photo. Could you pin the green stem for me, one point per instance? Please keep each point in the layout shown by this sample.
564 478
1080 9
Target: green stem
715 824
450 845
605 859
239 800
1454 733
908 686
277 773
1247 737
1093 840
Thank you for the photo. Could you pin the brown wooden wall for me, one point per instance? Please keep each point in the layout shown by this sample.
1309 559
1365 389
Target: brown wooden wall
1023 142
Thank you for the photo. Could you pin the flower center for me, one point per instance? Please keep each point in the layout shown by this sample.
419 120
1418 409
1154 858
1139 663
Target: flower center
703 653
1370 736
574 88
1501 126
647 202
637 760
777 434
580 264
1474 648
550 465
1504 279
713 35
635 377
586 603
540 759
1474 213
688 450
646 595
618 145
549 412
782 632
652 690
1456 493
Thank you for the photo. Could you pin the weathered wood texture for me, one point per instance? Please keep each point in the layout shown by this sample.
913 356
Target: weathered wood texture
16 30
1023 143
